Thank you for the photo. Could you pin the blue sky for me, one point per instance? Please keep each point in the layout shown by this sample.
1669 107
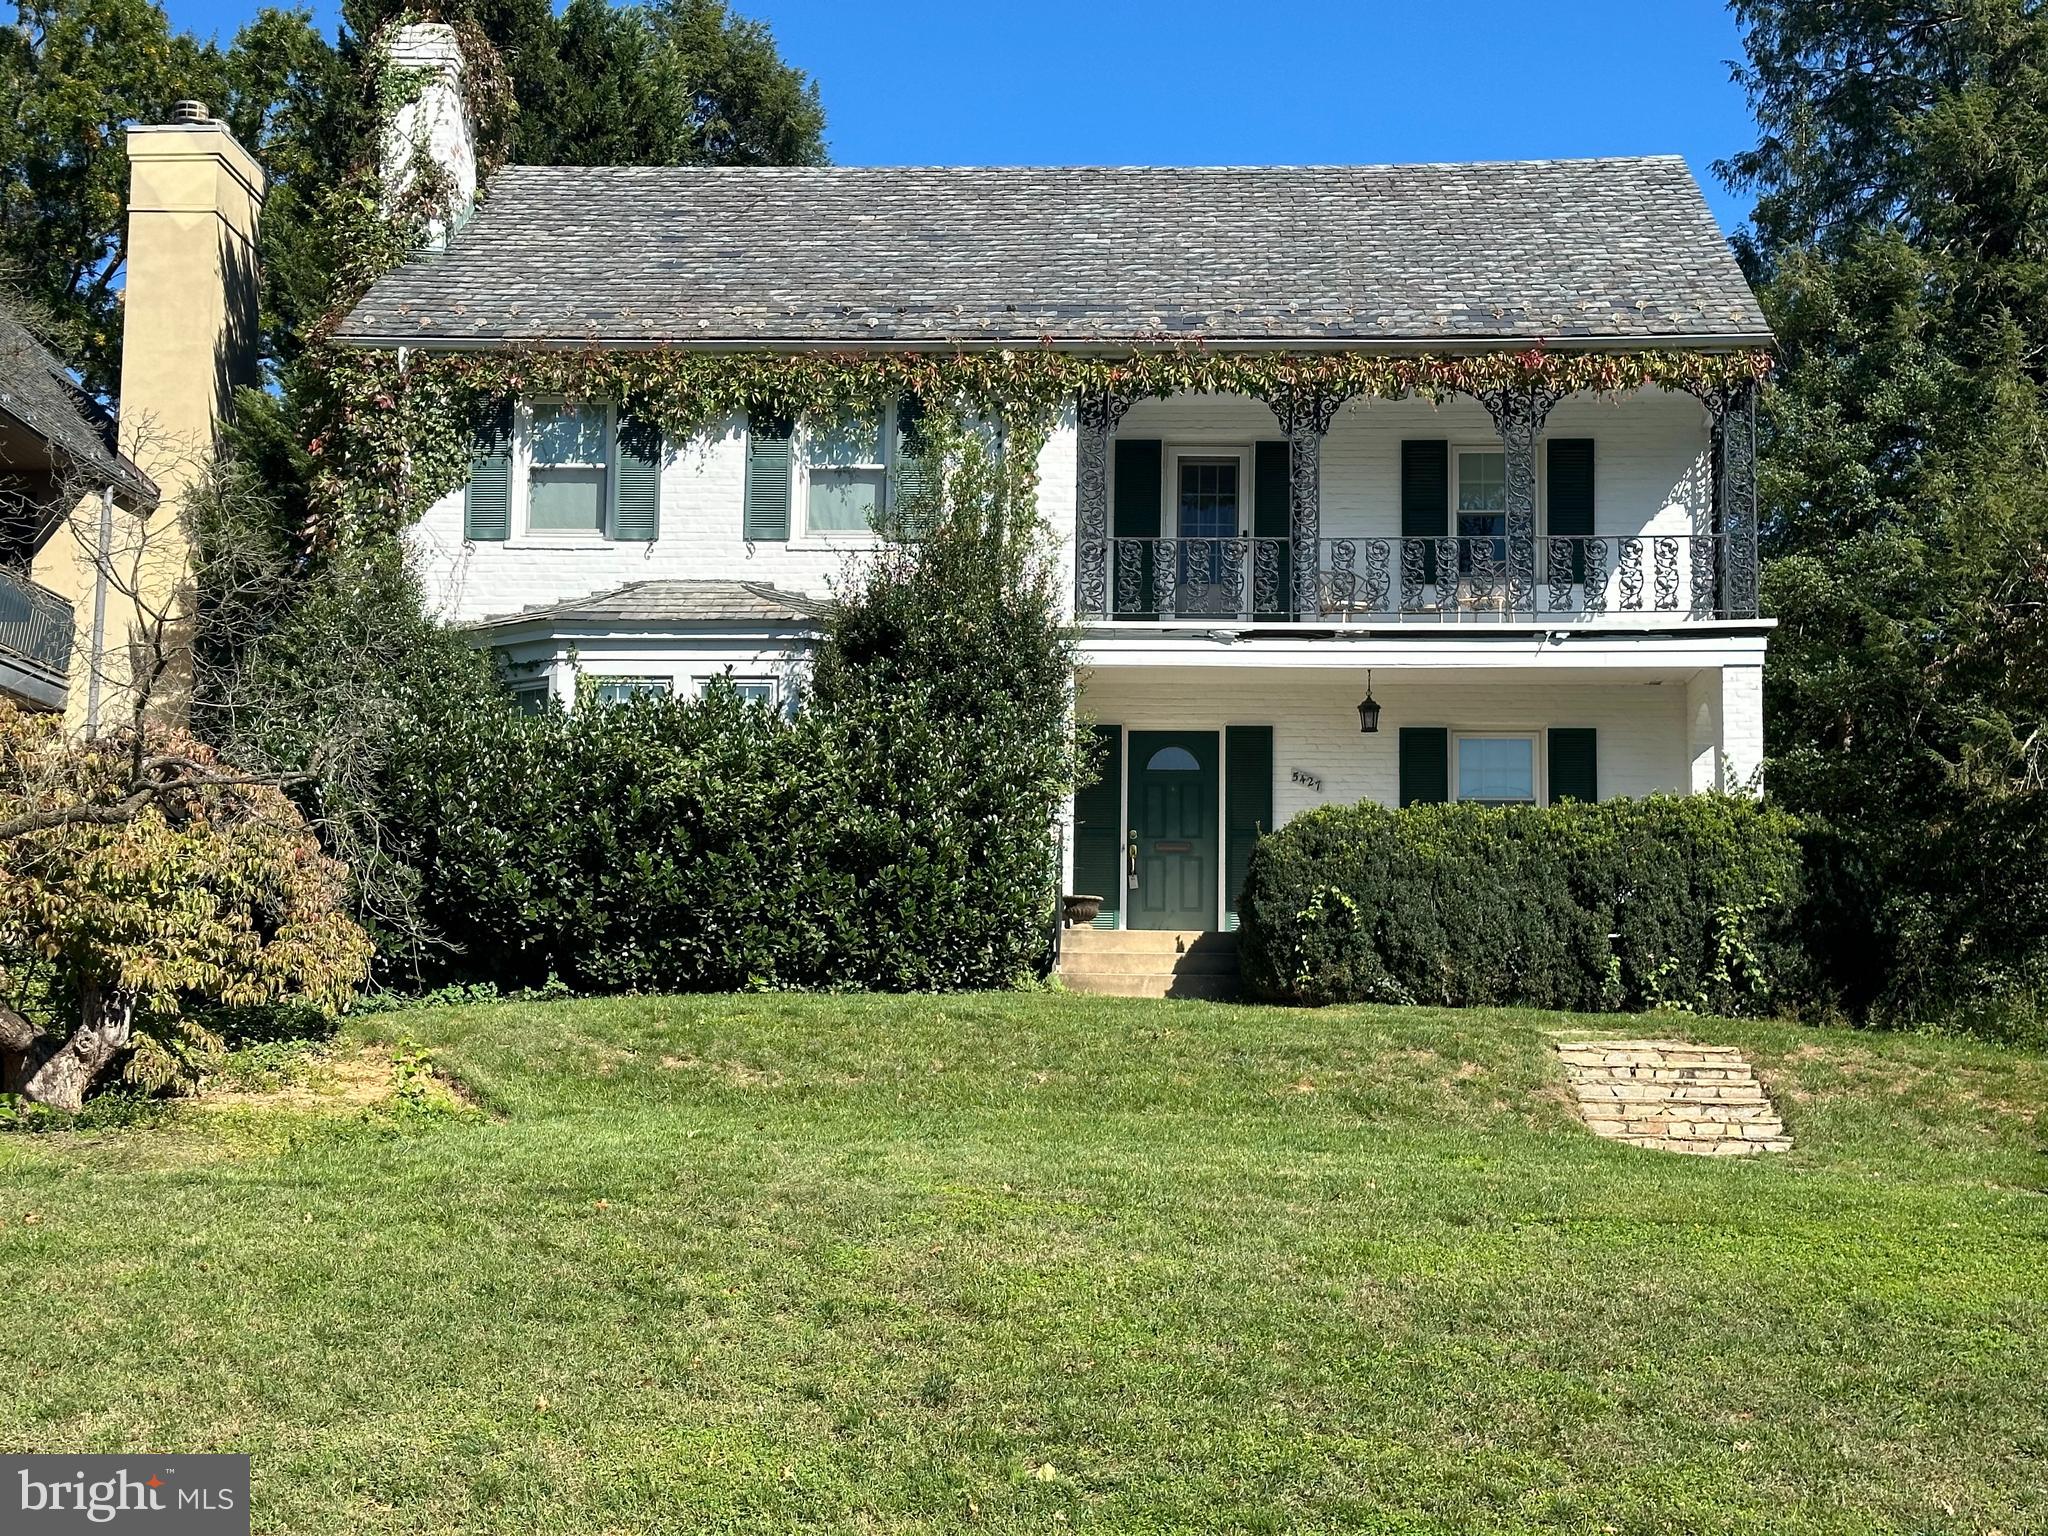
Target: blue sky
1201 82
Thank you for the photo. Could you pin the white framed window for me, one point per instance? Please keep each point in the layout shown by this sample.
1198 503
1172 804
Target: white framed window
1208 491
846 464
1496 767
616 690
1479 503
567 459
530 698
755 690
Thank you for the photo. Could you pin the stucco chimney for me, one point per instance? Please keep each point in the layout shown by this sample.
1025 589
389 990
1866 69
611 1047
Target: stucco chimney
189 317
430 126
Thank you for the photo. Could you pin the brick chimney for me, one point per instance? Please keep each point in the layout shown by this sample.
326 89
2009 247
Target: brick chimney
430 126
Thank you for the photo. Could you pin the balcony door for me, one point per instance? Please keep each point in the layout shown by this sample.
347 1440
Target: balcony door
1208 521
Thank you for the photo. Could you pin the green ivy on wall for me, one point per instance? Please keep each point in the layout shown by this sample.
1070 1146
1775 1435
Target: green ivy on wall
401 424
397 428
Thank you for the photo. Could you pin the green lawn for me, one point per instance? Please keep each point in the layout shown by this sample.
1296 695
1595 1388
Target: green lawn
1051 1263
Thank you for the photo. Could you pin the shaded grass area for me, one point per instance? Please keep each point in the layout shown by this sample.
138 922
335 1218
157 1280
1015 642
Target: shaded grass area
1048 1262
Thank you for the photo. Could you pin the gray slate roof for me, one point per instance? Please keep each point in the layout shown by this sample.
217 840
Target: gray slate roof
1610 250
671 602
38 391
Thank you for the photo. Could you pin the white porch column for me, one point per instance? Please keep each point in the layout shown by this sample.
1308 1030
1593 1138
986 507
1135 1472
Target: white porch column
1742 728
1724 714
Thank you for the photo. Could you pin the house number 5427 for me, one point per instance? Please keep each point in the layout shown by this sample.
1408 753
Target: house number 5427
1308 780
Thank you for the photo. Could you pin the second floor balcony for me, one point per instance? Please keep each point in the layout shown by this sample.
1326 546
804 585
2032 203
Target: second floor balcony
1590 578
1627 511
35 642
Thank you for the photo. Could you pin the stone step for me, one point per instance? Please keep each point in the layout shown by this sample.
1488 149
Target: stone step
1660 1093
1151 984
1672 1095
1196 962
1145 941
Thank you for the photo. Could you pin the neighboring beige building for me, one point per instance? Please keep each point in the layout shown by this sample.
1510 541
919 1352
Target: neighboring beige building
60 469
190 316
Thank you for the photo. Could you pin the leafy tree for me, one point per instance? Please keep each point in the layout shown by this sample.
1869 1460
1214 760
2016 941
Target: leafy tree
76 73
680 82
218 892
1901 238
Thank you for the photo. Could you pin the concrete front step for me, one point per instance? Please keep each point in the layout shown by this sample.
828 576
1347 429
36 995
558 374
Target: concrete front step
1114 962
1151 984
1196 962
1145 941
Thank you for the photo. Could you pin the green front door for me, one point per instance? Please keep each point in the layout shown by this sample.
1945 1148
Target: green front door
1173 817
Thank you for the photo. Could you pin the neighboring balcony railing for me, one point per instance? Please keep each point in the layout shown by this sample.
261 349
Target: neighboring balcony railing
1682 576
35 625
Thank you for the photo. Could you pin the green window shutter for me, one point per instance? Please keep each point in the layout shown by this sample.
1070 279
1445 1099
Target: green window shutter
1425 765
907 493
1140 467
638 512
1247 806
1574 764
1098 829
1426 494
768 480
1569 496
1272 515
487 504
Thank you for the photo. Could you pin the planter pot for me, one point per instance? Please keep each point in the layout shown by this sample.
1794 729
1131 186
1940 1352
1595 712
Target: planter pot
1080 911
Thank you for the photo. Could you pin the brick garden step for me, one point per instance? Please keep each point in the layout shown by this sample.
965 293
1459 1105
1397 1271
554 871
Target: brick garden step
1673 1096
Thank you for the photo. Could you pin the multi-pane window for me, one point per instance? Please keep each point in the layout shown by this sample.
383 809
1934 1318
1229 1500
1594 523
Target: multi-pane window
1497 770
1482 506
755 690
616 690
1208 498
530 698
847 467
1207 493
568 469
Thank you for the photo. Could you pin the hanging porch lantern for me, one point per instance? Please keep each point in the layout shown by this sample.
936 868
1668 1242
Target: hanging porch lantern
1369 710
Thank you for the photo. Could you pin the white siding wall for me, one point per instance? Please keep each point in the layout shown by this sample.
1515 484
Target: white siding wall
1651 457
1651 467
702 488
1642 726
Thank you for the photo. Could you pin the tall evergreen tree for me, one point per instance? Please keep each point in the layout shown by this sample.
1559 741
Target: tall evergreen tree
1900 236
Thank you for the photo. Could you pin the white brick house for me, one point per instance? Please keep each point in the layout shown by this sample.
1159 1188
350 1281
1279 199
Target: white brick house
1543 597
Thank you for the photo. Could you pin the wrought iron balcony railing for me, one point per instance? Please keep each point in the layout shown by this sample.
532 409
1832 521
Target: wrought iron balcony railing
1684 576
35 625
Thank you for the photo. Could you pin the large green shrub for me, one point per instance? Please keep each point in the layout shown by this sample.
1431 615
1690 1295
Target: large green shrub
894 833
1626 904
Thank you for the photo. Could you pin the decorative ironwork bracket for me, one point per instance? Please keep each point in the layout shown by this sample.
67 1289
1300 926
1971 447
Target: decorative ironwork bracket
1518 412
1731 420
1305 415
1096 420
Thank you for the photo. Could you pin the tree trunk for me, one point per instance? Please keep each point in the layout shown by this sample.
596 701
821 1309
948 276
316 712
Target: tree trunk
23 1048
106 1022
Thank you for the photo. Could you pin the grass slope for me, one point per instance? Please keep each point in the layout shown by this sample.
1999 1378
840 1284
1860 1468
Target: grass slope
1050 1263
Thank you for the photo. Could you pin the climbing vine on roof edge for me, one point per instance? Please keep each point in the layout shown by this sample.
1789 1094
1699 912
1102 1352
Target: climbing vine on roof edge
402 425
397 429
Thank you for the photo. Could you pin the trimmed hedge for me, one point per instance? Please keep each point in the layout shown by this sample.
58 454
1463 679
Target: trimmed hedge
891 835
1623 905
